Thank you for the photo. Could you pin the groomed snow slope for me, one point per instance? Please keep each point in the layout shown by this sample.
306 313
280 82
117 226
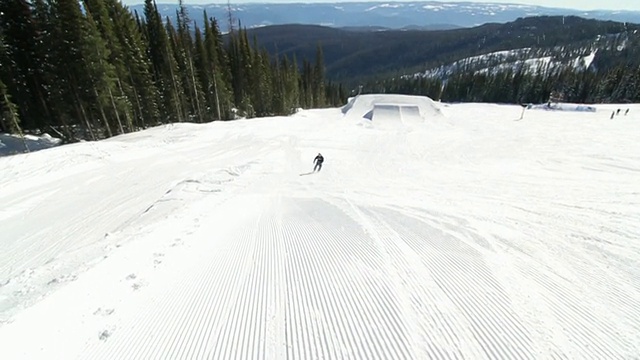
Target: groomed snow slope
472 236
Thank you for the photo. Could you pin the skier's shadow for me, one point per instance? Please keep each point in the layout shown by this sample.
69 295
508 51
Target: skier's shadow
309 173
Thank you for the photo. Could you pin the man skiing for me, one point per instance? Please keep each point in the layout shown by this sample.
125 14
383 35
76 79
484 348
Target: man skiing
319 159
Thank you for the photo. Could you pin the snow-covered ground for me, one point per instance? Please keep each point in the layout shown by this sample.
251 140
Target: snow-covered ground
469 235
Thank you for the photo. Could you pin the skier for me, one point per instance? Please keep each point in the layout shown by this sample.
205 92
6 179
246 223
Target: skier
319 159
626 112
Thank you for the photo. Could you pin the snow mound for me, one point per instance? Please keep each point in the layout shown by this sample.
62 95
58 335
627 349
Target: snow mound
14 144
563 107
389 108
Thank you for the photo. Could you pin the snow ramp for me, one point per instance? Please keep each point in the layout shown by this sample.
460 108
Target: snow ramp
383 110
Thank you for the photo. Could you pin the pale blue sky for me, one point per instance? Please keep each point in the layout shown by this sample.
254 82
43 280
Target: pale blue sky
572 4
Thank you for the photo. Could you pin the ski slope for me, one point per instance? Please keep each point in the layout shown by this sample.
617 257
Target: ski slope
467 235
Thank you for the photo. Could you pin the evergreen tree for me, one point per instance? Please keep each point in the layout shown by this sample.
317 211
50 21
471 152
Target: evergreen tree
239 67
184 50
121 96
262 86
26 58
217 69
609 83
137 68
318 80
179 73
9 118
306 85
201 64
163 64
292 91
99 78
8 111
67 59
60 120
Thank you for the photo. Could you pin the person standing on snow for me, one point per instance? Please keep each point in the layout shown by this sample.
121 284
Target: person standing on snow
319 159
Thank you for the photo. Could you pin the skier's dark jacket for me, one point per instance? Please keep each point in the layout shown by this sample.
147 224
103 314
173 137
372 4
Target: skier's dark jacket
319 159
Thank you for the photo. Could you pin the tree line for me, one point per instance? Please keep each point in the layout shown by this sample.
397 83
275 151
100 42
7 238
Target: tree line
92 69
618 84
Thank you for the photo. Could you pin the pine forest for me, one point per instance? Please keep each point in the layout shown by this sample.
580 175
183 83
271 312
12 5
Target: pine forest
93 69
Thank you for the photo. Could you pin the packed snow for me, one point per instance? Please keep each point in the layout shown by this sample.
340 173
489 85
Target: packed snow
460 233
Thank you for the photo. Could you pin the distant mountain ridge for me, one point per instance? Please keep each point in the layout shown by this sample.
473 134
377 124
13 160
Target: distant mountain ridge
428 15
552 40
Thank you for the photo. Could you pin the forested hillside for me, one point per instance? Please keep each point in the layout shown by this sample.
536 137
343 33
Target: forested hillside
91 69
352 56
545 54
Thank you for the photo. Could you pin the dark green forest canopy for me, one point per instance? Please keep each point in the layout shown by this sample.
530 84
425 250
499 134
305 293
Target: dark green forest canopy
92 69
381 60
354 55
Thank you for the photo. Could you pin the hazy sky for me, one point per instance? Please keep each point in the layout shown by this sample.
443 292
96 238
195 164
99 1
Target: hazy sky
572 4
578 4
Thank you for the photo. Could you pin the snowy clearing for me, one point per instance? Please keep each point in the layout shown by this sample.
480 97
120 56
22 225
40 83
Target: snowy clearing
464 235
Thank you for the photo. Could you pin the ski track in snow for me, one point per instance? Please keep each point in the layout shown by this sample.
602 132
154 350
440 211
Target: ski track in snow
472 239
